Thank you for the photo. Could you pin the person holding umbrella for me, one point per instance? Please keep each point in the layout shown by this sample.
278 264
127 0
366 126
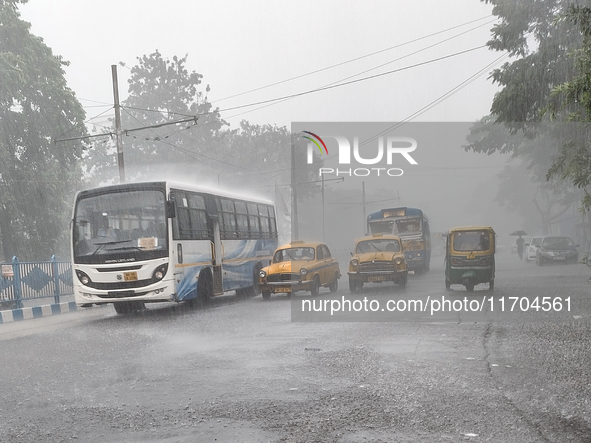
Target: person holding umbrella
520 242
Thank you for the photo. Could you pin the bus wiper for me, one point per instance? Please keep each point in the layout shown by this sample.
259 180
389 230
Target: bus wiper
100 245
127 247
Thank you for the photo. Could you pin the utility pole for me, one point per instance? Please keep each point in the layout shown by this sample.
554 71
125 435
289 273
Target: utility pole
363 200
323 208
118 125
294 197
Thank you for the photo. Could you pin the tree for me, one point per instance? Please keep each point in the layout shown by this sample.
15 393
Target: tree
262 158
534 33
37 174
525 187
548 81
162 92
574 98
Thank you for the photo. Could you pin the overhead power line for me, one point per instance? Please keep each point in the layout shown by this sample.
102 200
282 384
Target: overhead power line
354 59
126 131
324 88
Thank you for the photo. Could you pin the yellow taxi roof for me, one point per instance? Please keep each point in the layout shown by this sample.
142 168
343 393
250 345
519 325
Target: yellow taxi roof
301 243
371 237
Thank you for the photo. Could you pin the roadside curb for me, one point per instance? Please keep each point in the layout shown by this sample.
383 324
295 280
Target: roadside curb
36 312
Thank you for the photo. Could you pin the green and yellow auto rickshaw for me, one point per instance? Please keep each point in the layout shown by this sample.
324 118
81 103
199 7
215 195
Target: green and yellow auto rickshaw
470 257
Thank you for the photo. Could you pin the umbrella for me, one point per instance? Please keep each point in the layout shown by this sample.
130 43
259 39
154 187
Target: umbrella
519 233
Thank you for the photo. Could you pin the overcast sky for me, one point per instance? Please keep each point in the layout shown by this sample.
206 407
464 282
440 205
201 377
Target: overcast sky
239 46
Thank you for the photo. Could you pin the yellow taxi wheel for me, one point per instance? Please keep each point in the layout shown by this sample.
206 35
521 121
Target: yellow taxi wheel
335 283
315 290
403 280
266 295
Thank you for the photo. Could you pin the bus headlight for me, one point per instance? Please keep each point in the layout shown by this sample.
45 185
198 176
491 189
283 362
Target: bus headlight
83 277
160 272
262 273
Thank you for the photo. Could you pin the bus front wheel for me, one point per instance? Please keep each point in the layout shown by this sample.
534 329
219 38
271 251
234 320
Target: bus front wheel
127 307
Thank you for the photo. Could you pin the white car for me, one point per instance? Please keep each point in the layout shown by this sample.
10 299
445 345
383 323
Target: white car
531 249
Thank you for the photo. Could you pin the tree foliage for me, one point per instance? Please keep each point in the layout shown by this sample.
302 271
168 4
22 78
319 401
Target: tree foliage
533 32
161 92
264 153
541 112
37 174
252 157
525 188
574 98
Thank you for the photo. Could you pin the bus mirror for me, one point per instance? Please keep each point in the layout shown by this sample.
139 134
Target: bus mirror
170 209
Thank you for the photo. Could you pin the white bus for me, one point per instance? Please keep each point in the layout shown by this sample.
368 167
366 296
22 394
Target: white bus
161 241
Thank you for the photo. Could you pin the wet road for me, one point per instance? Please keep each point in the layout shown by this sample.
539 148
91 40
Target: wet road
242 371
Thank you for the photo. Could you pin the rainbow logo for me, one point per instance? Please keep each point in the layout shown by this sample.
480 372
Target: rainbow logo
315 142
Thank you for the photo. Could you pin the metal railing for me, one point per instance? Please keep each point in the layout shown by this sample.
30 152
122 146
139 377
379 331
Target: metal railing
20 281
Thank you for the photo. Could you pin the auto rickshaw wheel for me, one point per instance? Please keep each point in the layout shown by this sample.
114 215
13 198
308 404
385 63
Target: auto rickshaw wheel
470 287
447 283
491 285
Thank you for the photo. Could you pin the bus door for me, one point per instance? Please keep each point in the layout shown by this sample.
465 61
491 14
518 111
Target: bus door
217 247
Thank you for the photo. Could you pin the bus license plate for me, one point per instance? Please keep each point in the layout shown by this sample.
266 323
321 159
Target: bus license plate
377 278
130 276
283 290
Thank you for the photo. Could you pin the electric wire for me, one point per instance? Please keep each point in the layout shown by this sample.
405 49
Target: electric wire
188 153
280 100
311 91
353 60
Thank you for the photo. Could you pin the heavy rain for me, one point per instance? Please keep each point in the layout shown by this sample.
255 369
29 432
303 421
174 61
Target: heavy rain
342 224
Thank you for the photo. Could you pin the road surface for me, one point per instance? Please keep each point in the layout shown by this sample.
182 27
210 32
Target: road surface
242 371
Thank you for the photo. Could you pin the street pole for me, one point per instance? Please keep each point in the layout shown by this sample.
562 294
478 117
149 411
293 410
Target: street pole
118 125
363 197
323 208
294 196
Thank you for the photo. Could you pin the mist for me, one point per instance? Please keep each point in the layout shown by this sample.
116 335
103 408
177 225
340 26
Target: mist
453 187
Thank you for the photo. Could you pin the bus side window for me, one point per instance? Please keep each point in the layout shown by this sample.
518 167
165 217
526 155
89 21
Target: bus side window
253 221
241 219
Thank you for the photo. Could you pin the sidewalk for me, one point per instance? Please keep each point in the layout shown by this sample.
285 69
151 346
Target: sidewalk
37 308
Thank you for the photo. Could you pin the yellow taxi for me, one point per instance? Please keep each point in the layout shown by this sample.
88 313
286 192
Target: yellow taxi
300 266
378 258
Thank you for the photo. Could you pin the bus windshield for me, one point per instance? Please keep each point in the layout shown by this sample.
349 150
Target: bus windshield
408 226
400 227
119 227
